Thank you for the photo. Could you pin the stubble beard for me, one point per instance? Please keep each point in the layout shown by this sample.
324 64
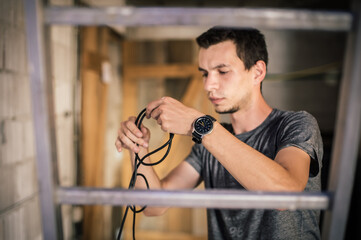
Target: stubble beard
228 111
241 105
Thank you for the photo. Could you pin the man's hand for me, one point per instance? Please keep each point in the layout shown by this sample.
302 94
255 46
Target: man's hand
172 115
129 136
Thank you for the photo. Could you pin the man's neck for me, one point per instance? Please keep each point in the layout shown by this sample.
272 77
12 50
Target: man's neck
248 119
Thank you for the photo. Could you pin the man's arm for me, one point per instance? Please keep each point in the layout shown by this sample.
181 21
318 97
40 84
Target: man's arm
184 176
289 170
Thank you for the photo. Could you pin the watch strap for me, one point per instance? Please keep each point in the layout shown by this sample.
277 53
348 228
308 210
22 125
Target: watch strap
196 137
212 118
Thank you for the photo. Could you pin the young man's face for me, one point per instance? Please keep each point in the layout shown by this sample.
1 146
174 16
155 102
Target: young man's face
228 84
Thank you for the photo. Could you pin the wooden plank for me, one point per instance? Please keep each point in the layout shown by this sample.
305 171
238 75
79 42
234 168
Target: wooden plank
160 70
130 100
94 107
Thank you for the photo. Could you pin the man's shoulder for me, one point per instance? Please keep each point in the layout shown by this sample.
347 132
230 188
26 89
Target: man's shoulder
290 116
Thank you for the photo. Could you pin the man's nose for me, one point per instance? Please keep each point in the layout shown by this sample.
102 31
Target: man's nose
210 83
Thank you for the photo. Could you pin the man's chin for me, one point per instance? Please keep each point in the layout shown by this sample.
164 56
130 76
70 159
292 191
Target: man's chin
227 111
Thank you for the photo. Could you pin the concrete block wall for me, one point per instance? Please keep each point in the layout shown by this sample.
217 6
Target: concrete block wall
20 216
19 204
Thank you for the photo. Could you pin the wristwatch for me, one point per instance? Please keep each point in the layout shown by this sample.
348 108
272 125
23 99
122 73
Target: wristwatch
201 127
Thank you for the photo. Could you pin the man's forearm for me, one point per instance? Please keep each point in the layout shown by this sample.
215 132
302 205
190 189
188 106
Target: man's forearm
147 171
153 181
254 170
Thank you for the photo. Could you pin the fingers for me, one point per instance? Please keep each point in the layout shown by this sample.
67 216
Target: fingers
131 127
130 137
152 106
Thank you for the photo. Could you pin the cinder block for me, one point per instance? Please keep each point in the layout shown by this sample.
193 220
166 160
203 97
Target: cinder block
2 237
14 53
11 9
21 99
29 140
7 187
26 91
8 46
6 144
19 14
12 220
12 141
21 96
15 56
22 223
22 64
7 89
10 97
5 11
1 39
32 219
2 6
25 179
2 96
15 137
16 98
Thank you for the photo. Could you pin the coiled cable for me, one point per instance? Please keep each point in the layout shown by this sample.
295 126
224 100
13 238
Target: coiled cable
137 162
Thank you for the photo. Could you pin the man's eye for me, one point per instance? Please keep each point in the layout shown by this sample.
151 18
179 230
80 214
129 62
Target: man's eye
204 74
222 72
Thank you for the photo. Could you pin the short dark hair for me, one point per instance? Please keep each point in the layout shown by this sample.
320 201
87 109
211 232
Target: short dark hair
250 43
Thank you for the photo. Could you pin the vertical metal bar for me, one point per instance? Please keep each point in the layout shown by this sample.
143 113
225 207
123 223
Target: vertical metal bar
347 135
43 116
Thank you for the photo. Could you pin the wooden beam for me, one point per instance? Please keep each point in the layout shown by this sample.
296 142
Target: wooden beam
94 107
129 108
160 70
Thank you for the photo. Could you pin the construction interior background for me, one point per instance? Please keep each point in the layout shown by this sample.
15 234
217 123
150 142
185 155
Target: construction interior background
100 74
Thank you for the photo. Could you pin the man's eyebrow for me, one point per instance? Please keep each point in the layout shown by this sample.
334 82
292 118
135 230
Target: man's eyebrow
201 69
218 66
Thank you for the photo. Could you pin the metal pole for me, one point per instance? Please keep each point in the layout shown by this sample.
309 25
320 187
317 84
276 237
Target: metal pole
347 137
166 16
43 117
231 199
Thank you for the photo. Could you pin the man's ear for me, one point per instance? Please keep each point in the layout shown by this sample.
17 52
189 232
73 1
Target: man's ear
259 72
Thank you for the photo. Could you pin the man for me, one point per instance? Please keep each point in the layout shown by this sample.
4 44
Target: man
262 149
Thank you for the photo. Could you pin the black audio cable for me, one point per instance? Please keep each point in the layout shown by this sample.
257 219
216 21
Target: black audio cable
137 162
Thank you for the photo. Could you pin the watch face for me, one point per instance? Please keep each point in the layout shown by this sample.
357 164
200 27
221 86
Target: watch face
203 125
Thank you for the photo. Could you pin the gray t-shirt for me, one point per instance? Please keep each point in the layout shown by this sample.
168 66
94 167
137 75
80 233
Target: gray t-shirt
281 129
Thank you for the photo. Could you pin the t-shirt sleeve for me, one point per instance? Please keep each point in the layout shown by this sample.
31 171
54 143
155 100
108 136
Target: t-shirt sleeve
194 158
301 130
